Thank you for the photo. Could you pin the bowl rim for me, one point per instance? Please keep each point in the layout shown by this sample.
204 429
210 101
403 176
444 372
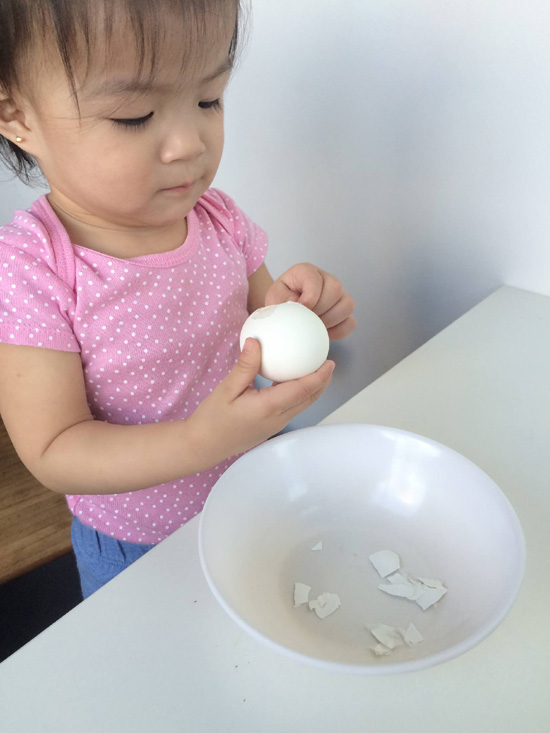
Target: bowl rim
372 668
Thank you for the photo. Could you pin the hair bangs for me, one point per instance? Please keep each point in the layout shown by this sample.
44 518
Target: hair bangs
188 28
88 34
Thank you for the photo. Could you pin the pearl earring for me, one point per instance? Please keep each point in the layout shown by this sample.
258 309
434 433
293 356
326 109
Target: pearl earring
18 139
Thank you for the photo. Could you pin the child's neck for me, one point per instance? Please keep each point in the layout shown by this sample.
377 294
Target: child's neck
117 241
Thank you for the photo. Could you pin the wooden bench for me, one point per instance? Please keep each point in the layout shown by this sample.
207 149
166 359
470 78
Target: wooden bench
35 523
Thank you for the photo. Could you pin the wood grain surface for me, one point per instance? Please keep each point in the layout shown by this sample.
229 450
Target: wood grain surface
35 523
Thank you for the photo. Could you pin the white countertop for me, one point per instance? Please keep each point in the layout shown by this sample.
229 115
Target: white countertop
152 651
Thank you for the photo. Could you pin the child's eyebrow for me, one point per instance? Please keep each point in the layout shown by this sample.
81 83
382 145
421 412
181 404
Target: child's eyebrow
116 87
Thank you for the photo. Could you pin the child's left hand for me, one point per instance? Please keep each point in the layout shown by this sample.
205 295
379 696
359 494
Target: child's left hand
321 292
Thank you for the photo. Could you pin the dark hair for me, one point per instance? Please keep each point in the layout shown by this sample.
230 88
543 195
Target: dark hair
69 26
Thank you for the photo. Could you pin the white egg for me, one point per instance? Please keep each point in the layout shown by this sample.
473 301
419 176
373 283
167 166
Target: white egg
293 338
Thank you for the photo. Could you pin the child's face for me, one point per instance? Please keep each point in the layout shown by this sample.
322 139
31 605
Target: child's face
118 163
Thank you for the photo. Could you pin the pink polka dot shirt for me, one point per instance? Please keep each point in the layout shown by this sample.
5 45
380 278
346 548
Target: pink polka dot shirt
155 333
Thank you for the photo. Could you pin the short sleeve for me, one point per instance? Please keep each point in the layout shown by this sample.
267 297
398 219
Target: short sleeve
249 238
36 306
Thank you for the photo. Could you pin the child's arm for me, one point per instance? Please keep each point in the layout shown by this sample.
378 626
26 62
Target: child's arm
258 286
44 407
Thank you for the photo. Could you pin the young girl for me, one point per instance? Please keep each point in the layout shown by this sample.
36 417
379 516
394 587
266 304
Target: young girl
124 289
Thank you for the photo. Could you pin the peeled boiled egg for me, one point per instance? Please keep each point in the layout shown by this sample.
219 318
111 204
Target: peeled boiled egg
293 338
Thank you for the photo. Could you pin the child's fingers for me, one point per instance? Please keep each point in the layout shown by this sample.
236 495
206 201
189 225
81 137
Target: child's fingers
332 292
339 311
297 394
245 370
302 283
279 292
342 329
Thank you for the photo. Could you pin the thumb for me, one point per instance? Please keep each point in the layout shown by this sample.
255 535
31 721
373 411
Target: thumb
246 368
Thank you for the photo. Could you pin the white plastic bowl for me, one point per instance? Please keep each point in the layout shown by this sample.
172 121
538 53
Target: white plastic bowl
360 489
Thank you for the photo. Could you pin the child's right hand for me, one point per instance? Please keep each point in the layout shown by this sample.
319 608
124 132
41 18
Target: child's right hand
236 416
45 409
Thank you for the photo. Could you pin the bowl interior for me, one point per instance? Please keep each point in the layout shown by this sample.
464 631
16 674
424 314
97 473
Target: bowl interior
360 489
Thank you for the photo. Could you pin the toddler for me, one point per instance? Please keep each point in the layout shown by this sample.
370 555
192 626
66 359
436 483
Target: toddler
123 290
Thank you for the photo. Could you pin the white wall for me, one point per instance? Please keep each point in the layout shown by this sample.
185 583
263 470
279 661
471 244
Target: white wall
403 145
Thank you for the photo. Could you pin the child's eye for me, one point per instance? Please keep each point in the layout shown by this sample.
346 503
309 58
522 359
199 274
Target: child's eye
135 122
214 104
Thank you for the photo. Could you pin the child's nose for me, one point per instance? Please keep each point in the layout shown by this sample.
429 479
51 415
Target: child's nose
184 142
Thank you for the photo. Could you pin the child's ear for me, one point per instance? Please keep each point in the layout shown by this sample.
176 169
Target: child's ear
12 120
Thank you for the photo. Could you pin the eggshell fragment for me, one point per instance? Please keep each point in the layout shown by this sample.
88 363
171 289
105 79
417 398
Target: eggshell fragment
432 583
419 588
411 635
387 635
403 590
415 590
380 650
325 604
398 579
317 547
301 594
425 591
385 562
430 596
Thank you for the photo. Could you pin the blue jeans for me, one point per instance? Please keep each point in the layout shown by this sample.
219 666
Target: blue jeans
100 558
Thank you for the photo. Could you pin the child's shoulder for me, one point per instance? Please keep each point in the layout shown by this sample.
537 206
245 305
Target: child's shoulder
35 238
221 208
244 234
27 232
218 199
